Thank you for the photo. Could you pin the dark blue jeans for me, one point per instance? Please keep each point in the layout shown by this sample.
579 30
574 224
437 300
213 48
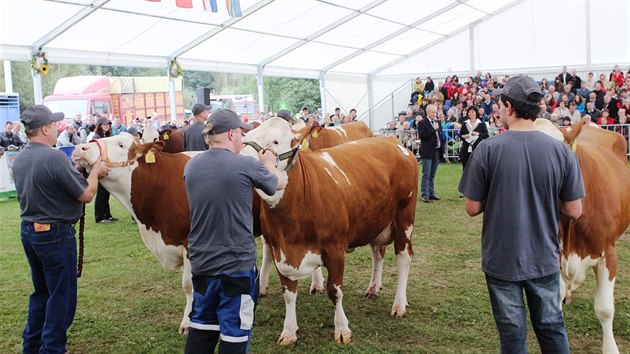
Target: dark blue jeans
543 301
429 167
52 256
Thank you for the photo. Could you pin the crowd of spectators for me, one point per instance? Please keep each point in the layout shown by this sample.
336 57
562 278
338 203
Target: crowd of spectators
567 99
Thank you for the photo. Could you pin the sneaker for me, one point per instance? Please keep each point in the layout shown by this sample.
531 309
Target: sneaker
104 221
111 218
435 197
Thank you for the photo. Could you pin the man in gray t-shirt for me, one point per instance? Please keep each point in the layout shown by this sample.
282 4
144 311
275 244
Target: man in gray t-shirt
51 193
221 246
522 180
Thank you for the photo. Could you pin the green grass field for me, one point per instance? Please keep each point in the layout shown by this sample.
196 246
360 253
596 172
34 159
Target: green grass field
129 304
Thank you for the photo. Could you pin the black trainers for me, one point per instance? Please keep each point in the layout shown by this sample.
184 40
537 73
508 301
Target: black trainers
111 218
104 221
435 197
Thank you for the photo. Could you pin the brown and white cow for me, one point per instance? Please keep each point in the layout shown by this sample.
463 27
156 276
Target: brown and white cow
173 139
133 182
590 241
359 193
315 138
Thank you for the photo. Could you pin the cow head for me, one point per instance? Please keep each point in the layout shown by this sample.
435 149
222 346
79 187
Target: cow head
149 134
276 136
121 150
567 135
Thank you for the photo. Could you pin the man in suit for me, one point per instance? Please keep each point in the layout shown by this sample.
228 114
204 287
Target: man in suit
564 76
429 131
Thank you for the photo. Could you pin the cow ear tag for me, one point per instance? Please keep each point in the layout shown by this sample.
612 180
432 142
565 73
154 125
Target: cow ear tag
149 157
165 136
304 144
315 134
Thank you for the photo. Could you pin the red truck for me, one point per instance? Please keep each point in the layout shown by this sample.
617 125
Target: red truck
125 97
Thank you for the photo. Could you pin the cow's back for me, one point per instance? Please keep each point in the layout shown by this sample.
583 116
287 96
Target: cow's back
333 136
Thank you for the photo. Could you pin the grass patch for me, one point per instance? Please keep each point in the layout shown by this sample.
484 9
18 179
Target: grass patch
129 304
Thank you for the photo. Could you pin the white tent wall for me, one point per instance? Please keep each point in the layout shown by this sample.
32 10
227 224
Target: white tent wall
346 92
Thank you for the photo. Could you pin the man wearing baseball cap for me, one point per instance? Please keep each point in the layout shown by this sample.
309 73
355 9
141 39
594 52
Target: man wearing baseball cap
522 180
221 245
51 193
193 135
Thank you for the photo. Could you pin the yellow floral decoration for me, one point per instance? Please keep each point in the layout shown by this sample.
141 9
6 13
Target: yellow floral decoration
39 63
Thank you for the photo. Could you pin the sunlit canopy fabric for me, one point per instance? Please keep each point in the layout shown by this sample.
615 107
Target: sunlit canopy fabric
369 39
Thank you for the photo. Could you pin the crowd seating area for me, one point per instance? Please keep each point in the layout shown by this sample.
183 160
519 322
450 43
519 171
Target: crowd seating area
600 98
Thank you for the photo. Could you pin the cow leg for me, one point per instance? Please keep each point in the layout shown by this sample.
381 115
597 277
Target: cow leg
604 299
404 251
265 269
317 282
376 282
188 289
289 293
334 286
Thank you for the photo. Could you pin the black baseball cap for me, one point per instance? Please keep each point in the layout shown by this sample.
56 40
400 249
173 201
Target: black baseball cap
199 108
285 114
223 120
519 88
38 115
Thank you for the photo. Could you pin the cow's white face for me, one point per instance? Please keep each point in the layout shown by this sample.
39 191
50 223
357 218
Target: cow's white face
116 149
274 134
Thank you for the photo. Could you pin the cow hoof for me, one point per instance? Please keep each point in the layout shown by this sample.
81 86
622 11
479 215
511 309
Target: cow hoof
399 311
343 337
287 340
372 293
317 289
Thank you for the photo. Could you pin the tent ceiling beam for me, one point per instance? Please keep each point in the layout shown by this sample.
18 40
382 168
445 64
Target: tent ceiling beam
392 35
321 32
461 29
66 25
227 24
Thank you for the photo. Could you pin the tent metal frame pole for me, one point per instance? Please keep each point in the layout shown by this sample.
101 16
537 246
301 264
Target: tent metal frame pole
322 91
8 78
370 94
471 36
587 27
37 87
260 82
171 92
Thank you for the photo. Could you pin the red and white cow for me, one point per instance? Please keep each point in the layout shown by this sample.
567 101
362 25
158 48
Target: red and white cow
359 193
133 182
590 241
315 138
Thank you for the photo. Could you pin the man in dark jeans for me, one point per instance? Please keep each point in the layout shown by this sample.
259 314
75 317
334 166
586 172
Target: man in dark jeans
522 180
429 132
51 193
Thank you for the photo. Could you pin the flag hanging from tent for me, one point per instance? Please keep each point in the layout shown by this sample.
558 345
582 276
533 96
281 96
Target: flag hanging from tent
186 4
210 5
234 8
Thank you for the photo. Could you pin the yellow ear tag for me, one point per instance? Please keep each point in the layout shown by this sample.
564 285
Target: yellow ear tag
304 144
149 157
315 134
165 136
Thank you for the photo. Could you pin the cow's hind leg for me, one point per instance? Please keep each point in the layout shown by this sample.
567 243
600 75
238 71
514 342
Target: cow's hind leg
334 286
289 293
604 299
404 251
188 289
376 282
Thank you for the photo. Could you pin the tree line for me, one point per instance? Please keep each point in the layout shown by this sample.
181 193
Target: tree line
280 92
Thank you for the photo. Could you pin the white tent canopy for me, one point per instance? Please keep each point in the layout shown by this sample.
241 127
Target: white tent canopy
361 50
